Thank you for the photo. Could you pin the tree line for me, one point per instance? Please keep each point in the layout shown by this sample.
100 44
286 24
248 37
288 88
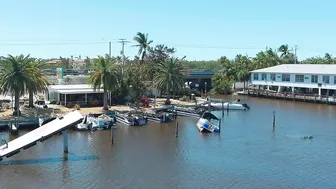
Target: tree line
153 66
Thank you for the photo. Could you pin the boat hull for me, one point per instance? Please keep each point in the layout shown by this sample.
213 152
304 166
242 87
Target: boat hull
125 121
205 125
233 106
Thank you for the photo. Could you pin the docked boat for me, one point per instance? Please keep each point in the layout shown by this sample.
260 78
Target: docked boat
131 117
231 106
13 128
208 122
159 115
85 125
189 111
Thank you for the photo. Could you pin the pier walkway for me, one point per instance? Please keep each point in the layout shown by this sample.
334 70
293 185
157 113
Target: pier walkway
40 134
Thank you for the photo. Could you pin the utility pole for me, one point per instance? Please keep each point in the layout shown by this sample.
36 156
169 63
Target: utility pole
110 49
122 52
295 49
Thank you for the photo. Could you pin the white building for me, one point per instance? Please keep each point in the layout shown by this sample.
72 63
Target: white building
313 77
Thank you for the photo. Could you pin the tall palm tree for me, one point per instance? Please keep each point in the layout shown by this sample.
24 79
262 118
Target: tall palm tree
15 75
103 76
170 75
284 50
143 43
39 81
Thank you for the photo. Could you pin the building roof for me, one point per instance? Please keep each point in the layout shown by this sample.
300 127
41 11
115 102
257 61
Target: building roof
79 91
73 89
327 69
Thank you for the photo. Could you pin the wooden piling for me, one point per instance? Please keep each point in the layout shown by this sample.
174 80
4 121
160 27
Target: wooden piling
65 141
222 108
112 135
176 129
220 125
273 120
227 108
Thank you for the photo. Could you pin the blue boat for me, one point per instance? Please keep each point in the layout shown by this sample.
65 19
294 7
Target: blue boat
208 122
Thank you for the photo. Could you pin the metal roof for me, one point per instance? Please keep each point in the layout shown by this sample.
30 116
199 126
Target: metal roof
322 69
79 91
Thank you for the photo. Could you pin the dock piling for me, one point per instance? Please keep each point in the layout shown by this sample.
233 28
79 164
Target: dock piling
273 119
112 135
176 129
222 108
220 125
65 141
227 108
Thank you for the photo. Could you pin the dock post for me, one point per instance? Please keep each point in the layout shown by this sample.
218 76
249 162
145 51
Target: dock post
222 108
176 129
220 125
273 120
227 108
65 141
112 135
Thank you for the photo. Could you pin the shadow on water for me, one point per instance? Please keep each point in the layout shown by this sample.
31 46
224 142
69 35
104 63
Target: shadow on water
70 158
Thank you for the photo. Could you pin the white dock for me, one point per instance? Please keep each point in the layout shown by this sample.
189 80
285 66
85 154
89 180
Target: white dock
40 134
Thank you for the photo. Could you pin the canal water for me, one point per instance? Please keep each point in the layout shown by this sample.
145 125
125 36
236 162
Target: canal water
246 154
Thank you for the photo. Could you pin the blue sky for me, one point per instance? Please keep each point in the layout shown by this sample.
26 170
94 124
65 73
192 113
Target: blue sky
199 29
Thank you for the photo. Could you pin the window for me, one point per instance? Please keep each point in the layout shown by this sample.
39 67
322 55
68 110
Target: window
299 78
286 77
325 79
272 77
314 79
255 76
263 76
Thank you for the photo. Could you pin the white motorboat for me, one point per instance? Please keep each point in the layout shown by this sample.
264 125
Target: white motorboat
85 125
206 123
131 118
226 105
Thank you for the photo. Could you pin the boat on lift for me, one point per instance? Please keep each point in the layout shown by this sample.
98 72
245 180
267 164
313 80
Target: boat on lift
131 117
161 115
208 122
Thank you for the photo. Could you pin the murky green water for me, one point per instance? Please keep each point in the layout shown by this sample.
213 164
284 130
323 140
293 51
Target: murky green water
247 153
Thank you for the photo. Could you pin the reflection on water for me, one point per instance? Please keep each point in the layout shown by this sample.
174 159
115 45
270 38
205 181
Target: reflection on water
246 154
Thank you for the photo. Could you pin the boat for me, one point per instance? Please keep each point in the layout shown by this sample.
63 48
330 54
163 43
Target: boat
85 125
131 117
189 111
161 115
226 105
13 128
206 123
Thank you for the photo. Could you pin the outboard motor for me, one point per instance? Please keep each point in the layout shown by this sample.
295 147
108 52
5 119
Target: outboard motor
247 107
136 120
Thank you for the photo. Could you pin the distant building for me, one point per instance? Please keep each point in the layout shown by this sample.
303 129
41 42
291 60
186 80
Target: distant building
77 64
54 61
306 78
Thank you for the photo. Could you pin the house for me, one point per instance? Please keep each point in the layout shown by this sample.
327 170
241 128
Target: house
307 78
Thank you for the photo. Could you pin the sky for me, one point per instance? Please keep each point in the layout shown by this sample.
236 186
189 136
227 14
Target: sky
198 29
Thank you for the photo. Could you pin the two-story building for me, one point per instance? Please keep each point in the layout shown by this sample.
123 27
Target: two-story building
316 78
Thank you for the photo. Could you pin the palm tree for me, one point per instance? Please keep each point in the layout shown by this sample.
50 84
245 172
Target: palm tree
170 75
284 50
16 74
39 82
143 43
103 76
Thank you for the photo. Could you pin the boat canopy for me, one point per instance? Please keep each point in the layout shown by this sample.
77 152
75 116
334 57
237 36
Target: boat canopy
208 115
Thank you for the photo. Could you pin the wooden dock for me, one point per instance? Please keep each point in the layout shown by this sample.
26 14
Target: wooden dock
311 98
